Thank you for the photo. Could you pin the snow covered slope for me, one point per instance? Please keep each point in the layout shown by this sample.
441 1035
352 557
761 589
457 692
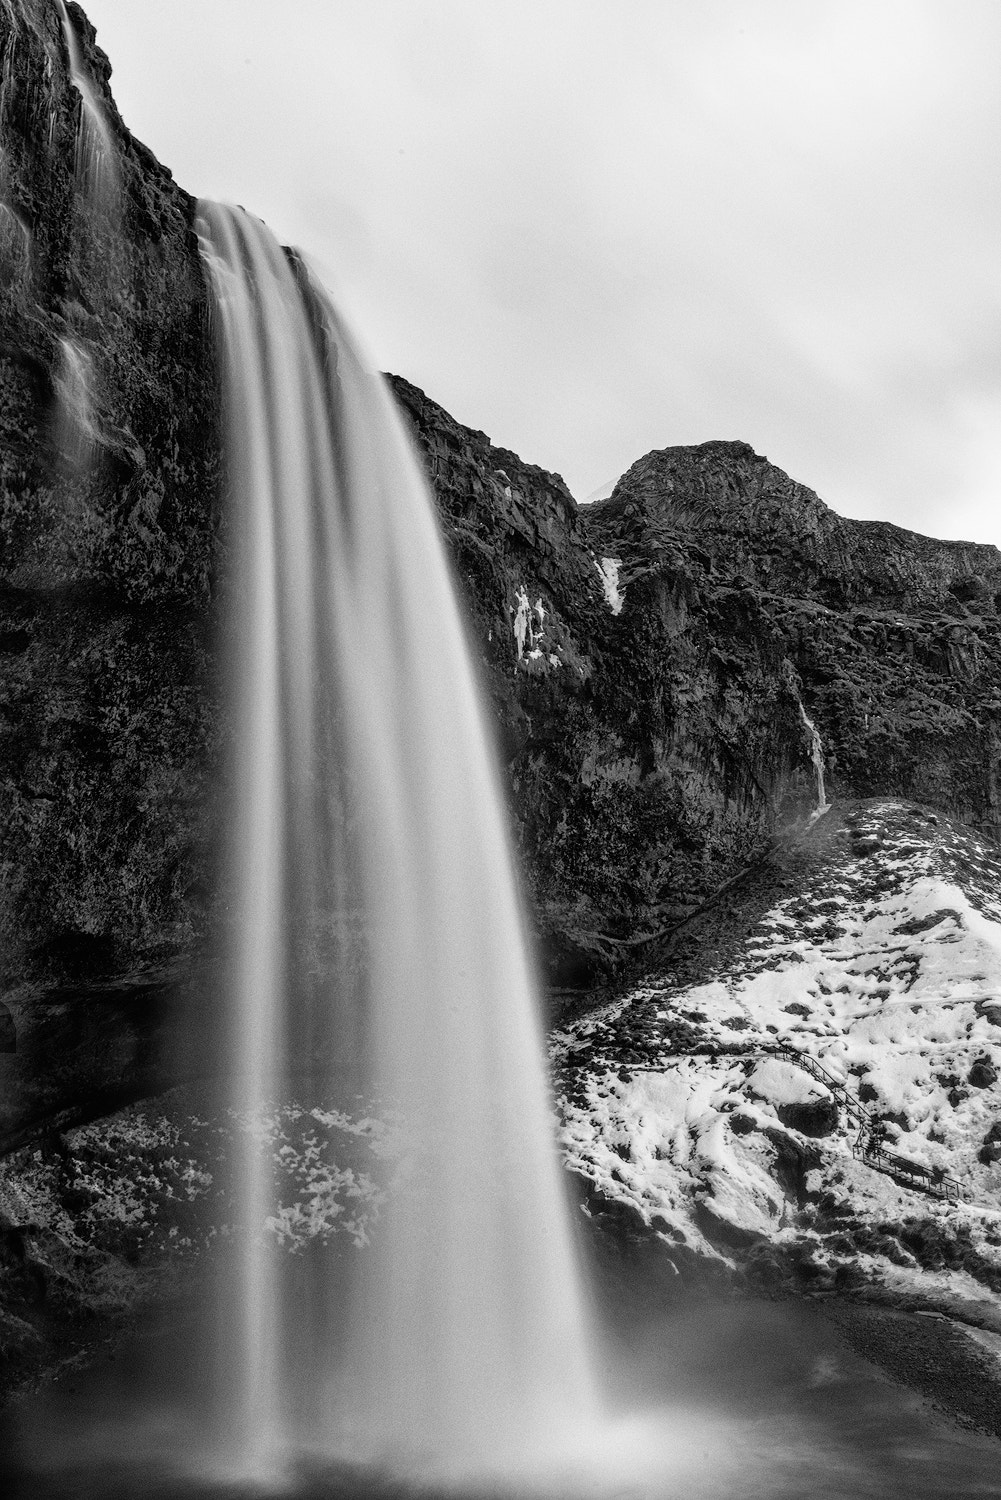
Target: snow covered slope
685 1100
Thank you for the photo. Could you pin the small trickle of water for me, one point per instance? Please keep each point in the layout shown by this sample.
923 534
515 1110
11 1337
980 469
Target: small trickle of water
378 952
15 244
96 157
817 758
73 383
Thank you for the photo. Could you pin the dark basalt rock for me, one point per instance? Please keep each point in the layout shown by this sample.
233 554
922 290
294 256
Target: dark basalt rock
891 636
983 1074
817 1118
990 1151
636 786
108 512
793 1163
719 1231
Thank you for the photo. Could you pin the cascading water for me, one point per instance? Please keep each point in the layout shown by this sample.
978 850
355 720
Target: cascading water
96 160
378 946
73 383
96 228
817 759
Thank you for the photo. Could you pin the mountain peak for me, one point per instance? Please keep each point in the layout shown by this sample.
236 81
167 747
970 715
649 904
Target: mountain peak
753 520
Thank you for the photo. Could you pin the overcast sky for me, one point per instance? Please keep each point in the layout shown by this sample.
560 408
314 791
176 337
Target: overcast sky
596 227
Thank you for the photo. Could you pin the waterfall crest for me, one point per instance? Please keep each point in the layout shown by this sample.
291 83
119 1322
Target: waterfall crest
378 948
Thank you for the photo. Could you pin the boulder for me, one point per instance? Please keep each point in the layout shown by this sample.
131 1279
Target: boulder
817 1117
990 1151
983 1074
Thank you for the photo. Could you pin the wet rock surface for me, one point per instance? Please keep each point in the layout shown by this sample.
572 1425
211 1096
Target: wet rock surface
108 516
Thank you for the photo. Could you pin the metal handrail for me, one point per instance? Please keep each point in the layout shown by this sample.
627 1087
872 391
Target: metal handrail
838 1087
864 1148
929 1179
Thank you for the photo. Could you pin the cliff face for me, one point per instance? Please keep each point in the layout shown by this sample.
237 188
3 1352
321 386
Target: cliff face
657 735
108 460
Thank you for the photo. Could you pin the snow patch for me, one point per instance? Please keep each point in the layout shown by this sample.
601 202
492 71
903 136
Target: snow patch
608 570
781 1082
529 625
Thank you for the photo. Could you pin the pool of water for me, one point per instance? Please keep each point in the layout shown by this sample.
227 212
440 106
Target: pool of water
728 1401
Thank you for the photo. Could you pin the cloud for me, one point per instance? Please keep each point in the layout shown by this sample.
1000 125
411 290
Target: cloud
592 229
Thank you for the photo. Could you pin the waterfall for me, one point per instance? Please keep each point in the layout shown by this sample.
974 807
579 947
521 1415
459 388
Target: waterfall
72 382
95 230
817 758
378 954
791 680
